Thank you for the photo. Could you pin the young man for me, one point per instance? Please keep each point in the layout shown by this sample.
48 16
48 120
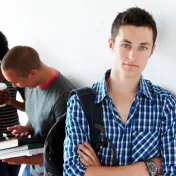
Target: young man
8 113
46 94
139 117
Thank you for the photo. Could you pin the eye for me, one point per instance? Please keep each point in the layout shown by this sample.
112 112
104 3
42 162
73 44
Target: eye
143 48
126 45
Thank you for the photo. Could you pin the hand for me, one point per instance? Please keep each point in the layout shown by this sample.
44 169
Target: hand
5 97
19 131
29 160
88 155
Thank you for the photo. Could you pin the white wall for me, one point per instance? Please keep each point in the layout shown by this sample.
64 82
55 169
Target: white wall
72 35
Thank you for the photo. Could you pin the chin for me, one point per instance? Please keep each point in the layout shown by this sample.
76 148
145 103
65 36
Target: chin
132 75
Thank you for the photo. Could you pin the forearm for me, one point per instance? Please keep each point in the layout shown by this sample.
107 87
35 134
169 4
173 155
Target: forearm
36 160
18 105
29 160
138 169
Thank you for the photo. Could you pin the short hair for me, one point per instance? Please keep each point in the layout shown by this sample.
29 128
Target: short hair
136 17
21 59
3 45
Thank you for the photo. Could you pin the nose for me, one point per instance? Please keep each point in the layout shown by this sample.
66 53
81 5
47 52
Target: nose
132 55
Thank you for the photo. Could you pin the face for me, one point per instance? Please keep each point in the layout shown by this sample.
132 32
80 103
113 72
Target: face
30 81
132 48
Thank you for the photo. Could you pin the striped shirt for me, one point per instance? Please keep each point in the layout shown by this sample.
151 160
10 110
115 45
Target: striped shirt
8 114
150 130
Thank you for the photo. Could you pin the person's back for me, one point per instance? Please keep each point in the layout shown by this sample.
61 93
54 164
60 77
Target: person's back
139 117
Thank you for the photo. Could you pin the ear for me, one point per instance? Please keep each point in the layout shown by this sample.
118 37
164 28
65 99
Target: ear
32 73
111 44
153 49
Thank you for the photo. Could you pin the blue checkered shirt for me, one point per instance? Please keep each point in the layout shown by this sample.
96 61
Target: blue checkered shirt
149 132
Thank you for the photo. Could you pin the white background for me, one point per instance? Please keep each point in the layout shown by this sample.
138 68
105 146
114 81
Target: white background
72 35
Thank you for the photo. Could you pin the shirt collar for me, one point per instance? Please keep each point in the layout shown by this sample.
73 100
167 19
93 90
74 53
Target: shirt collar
144 88
102 90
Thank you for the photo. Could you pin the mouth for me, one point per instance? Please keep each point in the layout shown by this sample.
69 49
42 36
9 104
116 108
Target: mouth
130 65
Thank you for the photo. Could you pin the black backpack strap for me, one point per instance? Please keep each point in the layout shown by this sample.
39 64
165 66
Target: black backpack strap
94 113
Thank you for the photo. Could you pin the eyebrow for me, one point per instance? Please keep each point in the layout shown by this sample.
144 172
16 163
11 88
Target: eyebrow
127 41
144 43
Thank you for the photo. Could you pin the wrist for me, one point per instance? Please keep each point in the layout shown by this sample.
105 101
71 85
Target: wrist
138 169
146 171
152 167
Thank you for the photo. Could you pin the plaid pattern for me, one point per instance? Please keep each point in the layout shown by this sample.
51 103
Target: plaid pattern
150 130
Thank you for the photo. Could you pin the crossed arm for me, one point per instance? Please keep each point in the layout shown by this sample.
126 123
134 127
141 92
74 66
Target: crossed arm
84 161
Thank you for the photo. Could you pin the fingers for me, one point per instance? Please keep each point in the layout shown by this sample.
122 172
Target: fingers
25 134
87 160
17 135
84 162
18 130
88 155
22 135
87 149
11 128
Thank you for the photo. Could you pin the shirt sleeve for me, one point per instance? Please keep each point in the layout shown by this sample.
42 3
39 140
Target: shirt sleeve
77 132
168 140
60 106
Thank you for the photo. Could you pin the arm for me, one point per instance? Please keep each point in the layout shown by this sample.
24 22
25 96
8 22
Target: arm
138 169
18 105
168 140
89 159
60 106
76 133
30 160
6 97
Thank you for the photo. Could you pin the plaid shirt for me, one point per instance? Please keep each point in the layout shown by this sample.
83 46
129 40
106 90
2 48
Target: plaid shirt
149 132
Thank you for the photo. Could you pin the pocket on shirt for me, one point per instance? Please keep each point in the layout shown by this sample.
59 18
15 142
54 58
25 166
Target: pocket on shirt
145 145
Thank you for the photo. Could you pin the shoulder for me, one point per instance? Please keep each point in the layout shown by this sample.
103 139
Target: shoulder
62 84
161 94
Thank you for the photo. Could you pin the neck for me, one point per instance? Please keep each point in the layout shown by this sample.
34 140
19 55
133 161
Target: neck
118 83
46 73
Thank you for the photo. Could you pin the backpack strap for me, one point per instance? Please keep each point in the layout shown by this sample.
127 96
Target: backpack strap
94 113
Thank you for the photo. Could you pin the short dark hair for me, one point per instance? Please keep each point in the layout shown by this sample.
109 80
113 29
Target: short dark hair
136 17
21 59
3 45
